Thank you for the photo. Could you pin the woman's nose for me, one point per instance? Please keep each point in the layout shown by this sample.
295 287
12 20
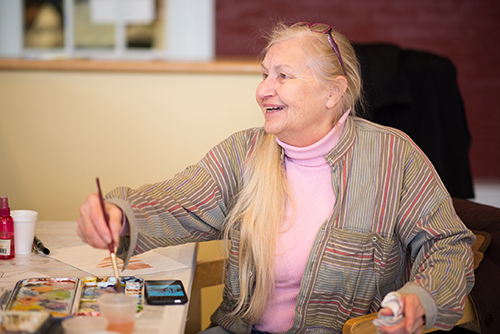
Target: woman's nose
266 89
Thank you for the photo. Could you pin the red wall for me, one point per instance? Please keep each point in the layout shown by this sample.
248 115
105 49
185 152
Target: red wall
465 31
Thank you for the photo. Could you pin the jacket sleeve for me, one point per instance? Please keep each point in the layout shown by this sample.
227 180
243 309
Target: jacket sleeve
437 244
190 207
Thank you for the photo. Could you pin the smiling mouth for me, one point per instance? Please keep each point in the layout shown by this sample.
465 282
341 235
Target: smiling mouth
273 109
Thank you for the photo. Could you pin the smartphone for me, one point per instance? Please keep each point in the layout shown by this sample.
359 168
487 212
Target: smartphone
164 292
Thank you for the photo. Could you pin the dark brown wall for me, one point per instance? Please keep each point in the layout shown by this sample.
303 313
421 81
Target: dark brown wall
465 31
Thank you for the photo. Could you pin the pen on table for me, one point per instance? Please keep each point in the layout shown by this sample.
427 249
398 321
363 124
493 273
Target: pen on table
111 246
33 248
39 244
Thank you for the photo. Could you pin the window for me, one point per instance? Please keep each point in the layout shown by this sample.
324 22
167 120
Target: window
117 29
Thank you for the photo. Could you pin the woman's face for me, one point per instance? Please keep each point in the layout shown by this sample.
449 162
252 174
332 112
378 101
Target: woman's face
297 108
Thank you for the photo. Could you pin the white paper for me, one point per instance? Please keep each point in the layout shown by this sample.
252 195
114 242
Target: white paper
127 11
97 261
392 301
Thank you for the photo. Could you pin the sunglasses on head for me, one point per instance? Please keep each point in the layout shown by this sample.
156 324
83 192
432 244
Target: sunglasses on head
327 29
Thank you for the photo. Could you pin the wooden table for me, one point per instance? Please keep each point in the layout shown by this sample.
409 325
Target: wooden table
60 234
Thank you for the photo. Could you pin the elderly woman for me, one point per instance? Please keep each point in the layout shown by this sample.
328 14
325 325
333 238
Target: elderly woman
327 213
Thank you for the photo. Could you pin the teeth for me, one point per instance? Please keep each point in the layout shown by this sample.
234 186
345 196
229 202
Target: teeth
271 109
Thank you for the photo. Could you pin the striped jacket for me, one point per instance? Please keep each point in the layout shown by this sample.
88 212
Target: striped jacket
393 227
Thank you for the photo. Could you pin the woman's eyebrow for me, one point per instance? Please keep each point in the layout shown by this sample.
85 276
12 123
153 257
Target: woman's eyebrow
278 67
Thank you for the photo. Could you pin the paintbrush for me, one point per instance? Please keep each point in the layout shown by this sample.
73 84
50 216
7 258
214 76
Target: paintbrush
111 245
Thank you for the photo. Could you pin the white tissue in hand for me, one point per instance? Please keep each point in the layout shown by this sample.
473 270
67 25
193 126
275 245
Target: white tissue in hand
392 301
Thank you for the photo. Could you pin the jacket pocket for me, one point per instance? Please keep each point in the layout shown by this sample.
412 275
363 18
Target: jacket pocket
351 271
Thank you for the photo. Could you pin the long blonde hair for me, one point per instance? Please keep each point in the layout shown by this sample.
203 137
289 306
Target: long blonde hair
260 207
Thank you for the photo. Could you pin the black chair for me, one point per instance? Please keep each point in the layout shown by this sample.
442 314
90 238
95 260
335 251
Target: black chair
417 92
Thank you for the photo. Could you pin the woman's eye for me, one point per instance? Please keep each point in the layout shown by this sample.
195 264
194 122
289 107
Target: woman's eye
283 76
264 75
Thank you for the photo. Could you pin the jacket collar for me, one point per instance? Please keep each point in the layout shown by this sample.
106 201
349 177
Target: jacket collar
345 142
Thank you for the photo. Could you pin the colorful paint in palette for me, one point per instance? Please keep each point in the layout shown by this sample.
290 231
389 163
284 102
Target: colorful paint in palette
93 287
55 295
63 297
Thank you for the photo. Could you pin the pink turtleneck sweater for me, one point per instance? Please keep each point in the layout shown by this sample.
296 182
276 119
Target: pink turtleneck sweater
309 179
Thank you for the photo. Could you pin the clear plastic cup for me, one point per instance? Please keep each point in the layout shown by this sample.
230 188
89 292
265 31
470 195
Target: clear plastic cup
120 310
84 325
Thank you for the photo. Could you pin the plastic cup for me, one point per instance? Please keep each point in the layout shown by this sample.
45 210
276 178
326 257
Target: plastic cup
81 325
24 230
120 310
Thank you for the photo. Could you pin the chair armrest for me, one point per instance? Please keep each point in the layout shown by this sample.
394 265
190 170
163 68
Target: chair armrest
360 325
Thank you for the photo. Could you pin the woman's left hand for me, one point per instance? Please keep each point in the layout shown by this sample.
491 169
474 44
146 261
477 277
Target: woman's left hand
413 317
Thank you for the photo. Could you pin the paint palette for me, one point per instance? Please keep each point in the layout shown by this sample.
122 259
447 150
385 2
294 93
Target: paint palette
24 322
64 297
55 295
93 287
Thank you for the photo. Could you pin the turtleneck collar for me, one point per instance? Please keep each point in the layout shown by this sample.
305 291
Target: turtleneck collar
314 155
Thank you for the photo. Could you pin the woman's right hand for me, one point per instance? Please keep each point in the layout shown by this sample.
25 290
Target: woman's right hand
92 227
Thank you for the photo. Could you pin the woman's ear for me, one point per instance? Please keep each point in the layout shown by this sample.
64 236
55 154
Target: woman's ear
337 89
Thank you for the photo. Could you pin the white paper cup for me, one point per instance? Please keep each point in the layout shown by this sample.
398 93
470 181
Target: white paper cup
81 325
120 310
24 230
